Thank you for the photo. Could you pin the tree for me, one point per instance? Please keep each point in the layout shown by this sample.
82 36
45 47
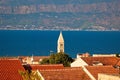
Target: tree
33 75
117 55
58 58
45 61
52 59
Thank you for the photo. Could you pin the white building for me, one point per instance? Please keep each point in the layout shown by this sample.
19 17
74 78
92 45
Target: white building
78 63
60 44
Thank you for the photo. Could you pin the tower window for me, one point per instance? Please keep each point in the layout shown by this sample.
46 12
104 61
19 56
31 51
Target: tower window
61 44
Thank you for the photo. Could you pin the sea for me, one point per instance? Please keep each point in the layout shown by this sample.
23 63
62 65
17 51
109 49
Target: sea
44 43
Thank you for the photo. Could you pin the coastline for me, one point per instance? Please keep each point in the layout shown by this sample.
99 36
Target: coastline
57 30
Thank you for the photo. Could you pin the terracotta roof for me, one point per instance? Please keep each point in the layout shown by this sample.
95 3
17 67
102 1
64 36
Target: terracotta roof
118 62
94 70
9 69
104 60
46 67
10 58
64 74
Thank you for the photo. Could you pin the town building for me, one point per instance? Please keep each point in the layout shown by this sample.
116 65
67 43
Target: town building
95 70
102 76
104 55
31 59
60 44
105 61
101 60
64 74
83 55
78 63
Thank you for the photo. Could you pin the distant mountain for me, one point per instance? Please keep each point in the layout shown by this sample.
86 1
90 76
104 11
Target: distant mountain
60 14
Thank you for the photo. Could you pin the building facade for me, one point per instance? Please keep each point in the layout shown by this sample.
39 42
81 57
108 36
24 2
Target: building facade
60 44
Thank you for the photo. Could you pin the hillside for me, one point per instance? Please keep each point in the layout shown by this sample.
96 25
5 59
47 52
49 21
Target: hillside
60 14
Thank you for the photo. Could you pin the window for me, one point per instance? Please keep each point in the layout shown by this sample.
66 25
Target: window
61 44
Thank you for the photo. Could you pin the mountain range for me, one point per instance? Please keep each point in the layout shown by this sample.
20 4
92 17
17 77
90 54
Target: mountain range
60 14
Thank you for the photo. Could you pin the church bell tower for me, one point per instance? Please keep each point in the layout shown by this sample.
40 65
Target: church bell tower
60 44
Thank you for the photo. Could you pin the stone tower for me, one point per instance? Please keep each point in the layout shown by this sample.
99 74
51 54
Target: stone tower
60 45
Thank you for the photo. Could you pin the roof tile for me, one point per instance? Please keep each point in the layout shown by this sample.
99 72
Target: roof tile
94 70
9 69
65 74
104 60
44 67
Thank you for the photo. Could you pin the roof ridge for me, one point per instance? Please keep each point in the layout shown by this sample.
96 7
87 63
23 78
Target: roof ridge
64 69
46 65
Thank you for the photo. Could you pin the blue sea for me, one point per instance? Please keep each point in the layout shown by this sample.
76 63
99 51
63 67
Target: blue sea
43 43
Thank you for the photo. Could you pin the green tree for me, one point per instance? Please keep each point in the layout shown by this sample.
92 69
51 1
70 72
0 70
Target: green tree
52 59
117 55
58 58
26 75
44 61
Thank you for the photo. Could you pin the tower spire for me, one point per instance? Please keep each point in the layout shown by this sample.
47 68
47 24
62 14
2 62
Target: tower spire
60 46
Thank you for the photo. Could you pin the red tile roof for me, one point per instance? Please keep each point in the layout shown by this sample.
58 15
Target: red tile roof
118 62
10 58
9 69
65 74
46 67
94 70
104 60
